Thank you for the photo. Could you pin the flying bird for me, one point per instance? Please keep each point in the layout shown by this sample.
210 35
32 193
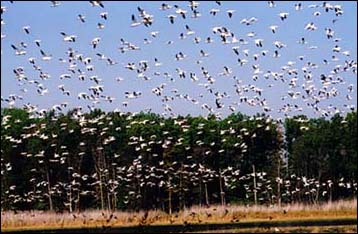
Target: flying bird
230 13
81 18
104 15
26 29
95 41
97 3
135 22
283 15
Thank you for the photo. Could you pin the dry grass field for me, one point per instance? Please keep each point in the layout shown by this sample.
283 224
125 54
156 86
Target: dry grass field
213 214
333 229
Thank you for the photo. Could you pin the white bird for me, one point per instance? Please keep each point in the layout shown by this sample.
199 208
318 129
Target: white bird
251 34
55 3
157 63
230 13
298 6
171 18
95 41
26 29
81 18
189 30
271 4
132 95
100 26
135 22
258 42
203 54
165 6
310 26
68 38
104 15
97 3
18 51
181 12
214 11
283 15
317 13
37 42
154 33
273 28
45 56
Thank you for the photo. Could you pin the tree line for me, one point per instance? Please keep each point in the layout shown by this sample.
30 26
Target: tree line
126 161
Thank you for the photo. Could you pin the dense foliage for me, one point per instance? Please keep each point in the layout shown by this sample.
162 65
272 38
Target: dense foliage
126 161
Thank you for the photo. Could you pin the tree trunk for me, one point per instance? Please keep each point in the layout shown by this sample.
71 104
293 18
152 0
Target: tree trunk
49 189
222 193
78 201
182 193
279 184
101 190
114 195
170 197
170 201
206 194
99 164
255 192
70 199
318 188
200 191
109 202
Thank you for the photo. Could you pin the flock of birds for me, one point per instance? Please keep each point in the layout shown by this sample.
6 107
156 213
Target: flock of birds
137 176
294 188
298 75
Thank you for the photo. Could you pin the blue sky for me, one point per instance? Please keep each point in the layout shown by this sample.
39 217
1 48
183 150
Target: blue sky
47 22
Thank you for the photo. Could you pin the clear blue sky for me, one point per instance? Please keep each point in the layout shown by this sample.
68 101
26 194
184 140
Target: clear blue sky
47 22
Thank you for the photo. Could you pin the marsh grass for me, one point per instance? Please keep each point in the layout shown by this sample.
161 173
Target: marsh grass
195 214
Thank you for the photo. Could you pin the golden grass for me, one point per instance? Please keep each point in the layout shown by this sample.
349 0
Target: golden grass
312 229
213 214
